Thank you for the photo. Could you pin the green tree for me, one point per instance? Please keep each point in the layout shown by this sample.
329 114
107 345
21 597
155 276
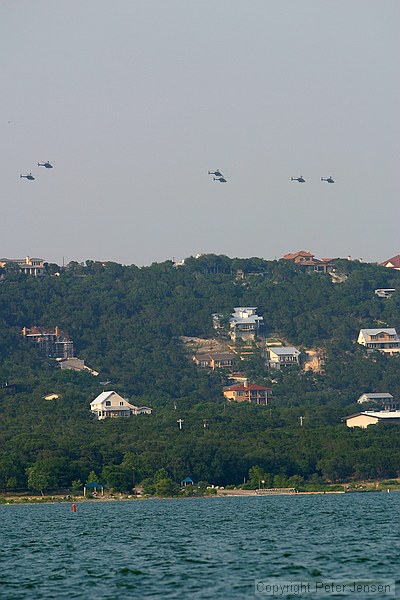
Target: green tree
92 478
40 478
166 487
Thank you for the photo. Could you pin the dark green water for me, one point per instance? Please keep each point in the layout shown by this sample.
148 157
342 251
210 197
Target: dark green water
200 548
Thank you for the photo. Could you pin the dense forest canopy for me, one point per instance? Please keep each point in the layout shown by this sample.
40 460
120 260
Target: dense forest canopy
126 322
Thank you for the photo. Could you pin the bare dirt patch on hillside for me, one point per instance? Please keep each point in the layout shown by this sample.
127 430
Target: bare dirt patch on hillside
197 345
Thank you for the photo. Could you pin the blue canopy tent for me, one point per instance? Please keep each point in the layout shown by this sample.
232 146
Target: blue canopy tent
95 487
187 481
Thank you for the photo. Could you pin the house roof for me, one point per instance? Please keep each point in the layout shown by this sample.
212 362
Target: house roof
382 414
293 255
388 330
101 398
239 387
376 396
245 320
283 350
394 262
35 330
204 357
223 356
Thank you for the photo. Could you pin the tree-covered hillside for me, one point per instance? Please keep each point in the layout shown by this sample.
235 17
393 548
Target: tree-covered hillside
126 322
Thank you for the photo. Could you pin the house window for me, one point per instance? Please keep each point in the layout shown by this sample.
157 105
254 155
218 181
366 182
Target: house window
108 402
121 403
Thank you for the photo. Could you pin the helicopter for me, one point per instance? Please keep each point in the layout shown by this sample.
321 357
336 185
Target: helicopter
220 179
217 173
328 179
45 164
29 176
299 179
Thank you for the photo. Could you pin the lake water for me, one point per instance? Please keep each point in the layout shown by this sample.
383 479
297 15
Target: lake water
197 548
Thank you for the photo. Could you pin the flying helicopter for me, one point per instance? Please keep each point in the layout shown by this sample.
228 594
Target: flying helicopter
299 179
220 179
217 173
328 179
45 164
29 176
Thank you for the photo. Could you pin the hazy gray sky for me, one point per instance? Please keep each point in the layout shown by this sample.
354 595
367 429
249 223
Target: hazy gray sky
134 100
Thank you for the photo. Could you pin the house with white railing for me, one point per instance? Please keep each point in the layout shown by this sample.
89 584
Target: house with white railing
111 405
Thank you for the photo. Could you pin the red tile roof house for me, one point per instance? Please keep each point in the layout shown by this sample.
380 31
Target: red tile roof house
392 263
307 260
249 392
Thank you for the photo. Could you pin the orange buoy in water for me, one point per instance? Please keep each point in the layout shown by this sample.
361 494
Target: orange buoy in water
73 508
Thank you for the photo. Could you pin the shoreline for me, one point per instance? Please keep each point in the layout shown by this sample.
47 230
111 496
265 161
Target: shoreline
21 501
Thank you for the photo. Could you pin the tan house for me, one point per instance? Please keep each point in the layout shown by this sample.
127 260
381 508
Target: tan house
369 417
249 392
202 360
392 263
52 397
28 265
308 261
385 340
111 405
217 360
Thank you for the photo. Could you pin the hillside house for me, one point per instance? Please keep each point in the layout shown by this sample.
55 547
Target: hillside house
217 360
392 263
53 343
308 261
385 340
384 400
28 265
249 392
384 292
76 364
143 410
52 397
282 356
112 405
370 417
202 360
244 324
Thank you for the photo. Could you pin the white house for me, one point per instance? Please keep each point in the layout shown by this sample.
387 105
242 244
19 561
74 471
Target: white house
370 417
143 410
282 356
244 323
384 399
111 404
385 292
385 339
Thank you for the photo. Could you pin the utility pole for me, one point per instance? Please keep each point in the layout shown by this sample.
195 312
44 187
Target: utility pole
301 421
180 421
